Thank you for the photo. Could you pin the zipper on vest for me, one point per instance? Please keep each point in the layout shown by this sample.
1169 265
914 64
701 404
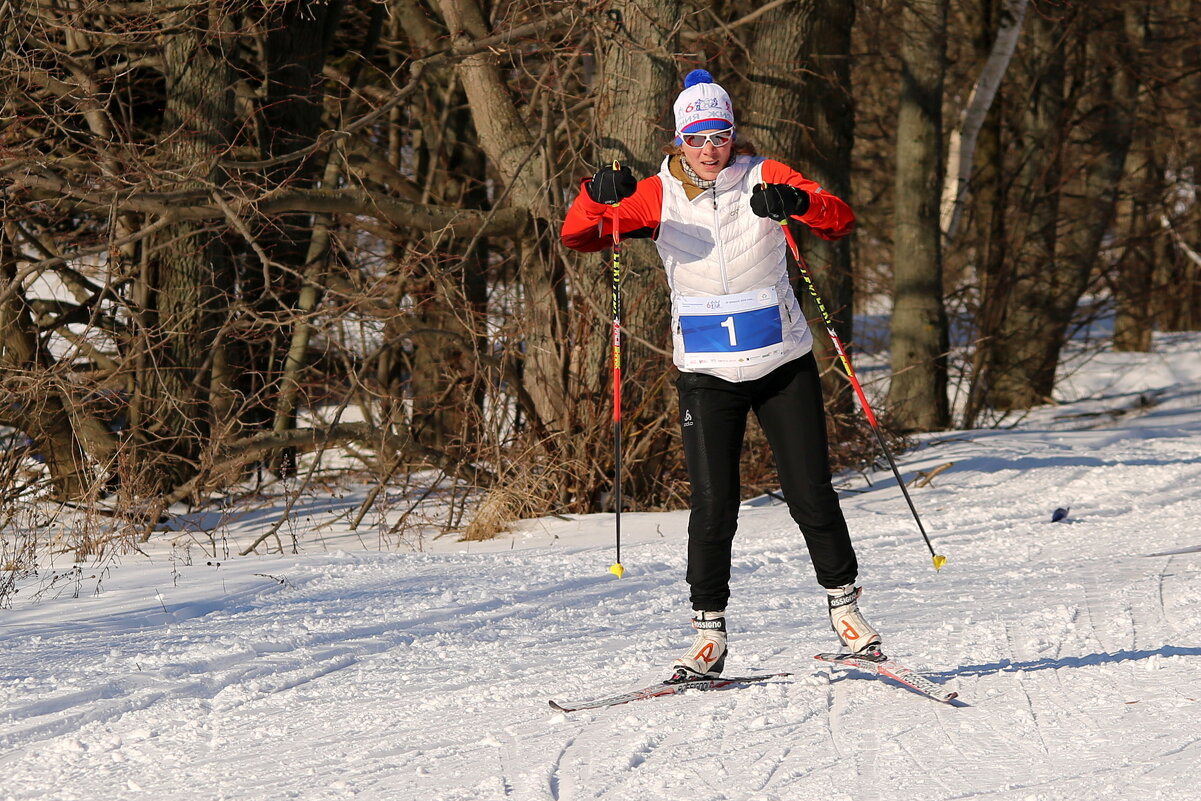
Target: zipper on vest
721 253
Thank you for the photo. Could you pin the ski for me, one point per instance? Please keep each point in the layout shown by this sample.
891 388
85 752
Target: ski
663 688
890 668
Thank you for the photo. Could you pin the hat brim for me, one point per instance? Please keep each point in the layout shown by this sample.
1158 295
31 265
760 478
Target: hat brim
710 124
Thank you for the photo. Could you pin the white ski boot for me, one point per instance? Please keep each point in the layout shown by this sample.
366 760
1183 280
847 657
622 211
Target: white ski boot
707 655
854 632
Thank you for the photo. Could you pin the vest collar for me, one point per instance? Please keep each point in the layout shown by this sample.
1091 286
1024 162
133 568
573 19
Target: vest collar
729 177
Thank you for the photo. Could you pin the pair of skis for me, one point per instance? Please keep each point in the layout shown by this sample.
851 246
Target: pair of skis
876 664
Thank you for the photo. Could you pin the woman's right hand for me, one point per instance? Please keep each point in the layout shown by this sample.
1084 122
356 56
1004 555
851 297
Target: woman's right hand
611 186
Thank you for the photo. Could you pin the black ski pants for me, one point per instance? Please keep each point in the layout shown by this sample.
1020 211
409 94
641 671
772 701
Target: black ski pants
788 404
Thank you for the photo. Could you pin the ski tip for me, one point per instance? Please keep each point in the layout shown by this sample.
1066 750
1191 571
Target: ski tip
557 708
617 570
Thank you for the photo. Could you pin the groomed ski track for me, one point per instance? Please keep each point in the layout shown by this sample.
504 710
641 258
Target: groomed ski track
357 674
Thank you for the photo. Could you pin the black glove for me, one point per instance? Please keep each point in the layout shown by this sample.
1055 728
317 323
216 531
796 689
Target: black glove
779 201
611 186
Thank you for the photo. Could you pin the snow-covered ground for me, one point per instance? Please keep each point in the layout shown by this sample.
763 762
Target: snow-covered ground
344 671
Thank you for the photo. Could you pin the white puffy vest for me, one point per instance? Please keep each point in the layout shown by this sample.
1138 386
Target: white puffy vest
715 245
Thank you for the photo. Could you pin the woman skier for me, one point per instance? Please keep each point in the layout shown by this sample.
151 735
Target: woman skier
741 344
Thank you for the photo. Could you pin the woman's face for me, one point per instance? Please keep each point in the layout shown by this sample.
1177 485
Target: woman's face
709 159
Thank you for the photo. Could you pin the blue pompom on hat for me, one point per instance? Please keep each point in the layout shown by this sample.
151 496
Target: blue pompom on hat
703 105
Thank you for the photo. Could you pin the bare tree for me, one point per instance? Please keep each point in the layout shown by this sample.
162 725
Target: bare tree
961 148
918 393
1014 370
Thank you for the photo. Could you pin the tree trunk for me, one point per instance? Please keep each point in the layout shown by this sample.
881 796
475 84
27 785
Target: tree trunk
917 396
1134 315
1091 196
1178 301
961 152
1015 365
298 35
191 266
800 110
990 192
637 83
447 390
1054 269
519 159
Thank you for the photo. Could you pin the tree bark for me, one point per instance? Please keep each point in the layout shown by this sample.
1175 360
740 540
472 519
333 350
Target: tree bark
990 190
1134 317
298 35
637 82
1015 366
1178 304
446 388
917 396
800 110
192 267
1134 313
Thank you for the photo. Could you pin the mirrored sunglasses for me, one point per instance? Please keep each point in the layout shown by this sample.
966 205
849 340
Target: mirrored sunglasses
718 138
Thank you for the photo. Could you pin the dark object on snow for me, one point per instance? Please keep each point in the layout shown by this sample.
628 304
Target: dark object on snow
1059 514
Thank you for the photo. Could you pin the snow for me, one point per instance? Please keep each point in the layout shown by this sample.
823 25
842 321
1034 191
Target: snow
348 671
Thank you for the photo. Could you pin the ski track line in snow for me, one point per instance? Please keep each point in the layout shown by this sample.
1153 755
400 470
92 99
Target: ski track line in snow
621 744
857 742
61 715
1019 679
868 751
508 761
779 743
836 704
527 774
660 746
554 777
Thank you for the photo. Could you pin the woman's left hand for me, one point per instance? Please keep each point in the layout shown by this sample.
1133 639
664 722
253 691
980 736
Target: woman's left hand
779 201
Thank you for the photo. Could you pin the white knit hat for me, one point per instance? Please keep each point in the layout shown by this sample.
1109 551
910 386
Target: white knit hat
703 105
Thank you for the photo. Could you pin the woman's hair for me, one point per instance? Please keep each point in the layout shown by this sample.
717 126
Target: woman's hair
742 147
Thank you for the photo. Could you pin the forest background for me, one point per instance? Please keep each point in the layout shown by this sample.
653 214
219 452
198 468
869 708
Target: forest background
242 238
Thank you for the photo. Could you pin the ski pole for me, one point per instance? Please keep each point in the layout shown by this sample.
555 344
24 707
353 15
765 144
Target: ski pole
803 266
617 568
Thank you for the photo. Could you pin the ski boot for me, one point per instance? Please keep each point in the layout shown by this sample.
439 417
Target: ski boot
854 632
707 655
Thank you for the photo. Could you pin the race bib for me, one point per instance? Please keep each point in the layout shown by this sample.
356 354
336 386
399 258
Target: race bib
731 330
